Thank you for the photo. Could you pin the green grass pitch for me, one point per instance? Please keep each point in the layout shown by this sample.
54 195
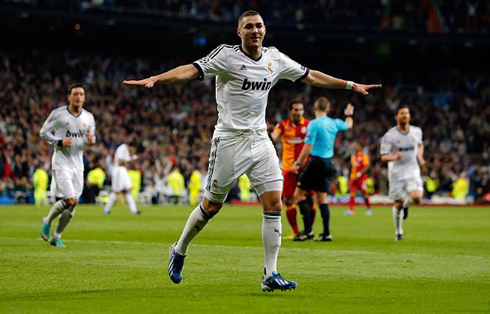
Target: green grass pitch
118 263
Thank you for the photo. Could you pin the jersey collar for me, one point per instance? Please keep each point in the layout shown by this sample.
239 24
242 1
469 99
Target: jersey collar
249 56
402 133
76 116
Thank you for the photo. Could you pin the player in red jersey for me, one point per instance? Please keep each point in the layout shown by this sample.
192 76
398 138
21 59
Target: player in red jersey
292 132
358 175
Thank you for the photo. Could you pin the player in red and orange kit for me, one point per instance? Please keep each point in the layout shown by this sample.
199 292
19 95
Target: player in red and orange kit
292 132
358 175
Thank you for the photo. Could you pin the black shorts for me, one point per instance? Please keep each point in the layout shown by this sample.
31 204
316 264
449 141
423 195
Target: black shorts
317 175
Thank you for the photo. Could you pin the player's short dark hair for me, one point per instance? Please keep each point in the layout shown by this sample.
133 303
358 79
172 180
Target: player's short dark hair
294 102
404 106
322 104
245 14
75 86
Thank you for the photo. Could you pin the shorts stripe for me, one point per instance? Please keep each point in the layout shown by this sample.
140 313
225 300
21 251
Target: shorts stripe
212 162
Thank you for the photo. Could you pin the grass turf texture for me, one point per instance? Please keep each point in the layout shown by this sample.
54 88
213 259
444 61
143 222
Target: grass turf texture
118 263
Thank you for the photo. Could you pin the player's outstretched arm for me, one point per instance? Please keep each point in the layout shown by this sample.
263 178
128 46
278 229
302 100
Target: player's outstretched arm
319 79
182 73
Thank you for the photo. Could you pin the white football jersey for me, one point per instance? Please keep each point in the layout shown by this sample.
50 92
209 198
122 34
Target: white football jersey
122 153
243 83
61 124
407 143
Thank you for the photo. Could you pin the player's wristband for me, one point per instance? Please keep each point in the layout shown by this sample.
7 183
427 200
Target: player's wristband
349 85
348 115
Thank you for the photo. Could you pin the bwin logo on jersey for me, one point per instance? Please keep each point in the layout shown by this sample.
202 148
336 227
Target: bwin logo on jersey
74 134
251 85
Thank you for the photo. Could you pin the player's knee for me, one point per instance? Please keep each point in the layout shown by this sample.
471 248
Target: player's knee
289 201
211 208
273 205
398 204
71 201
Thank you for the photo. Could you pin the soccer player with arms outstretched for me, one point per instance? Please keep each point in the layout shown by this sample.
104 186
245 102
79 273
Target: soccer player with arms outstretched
403 149
244 74
68 129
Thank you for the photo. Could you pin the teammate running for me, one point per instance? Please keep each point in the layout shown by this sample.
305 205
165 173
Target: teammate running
244 76
67 128
403 149
121 183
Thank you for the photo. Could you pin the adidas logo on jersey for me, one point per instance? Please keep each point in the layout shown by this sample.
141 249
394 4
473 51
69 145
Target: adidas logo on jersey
74 134
251 85
243 68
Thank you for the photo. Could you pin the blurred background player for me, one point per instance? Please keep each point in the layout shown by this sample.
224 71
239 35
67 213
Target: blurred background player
67 128
319 145
292 132
40 182
358 176
121 182
403 149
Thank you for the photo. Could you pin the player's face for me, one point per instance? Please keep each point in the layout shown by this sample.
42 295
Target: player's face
403 116
77 97
357 147
297 112
252 31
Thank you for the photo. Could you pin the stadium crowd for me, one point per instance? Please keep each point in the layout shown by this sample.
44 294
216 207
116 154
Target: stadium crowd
171 125
461 16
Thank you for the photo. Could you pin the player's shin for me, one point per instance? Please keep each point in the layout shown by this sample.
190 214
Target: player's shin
326 219
291 213
110 202
195 223
304 208
398 219
65 218
271 237
55 211
131 203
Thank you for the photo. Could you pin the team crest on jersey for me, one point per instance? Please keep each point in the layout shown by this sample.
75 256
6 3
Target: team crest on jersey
303 130
269 67
215 183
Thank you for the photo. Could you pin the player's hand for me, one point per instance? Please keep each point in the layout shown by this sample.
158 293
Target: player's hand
295 168
67 142
349 110
148 82
421 161
90 138
363 89
398 155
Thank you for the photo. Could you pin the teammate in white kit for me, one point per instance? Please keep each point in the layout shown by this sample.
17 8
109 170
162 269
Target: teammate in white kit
68 129
121 183
403 149
244 76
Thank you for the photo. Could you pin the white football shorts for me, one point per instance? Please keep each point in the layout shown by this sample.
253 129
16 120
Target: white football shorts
401 188
67 183
234 153
120 179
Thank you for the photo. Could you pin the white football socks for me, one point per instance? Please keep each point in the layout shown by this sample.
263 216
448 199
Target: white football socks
110 202
65 218
131 202
398 219
271 237
55 211
406 202
195 223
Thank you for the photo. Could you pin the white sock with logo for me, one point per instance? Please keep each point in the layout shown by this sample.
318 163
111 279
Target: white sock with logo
271 237
195 223
398 219
110 202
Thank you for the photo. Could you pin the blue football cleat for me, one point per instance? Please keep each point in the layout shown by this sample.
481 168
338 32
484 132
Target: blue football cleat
276 281
45 231
175 265
56 242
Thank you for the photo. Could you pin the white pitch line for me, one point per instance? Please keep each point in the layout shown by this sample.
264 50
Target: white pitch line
256 248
